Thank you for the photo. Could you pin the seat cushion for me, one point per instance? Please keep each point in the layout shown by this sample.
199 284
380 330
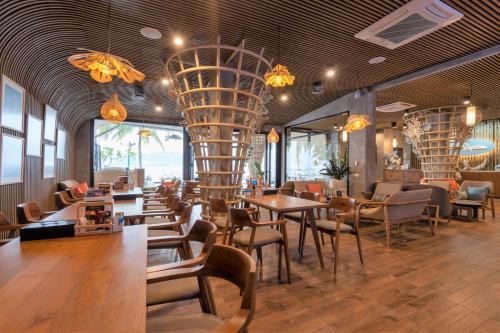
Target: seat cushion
332 225
263 236
172 291
376 213
159 233
184 323
155 220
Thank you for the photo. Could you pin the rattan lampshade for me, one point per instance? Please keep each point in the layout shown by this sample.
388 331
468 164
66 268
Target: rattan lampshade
113 111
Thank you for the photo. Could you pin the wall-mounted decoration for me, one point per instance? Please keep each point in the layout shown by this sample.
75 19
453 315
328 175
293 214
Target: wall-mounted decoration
33 136
474 147
61 144
49 161
12 108
11 159
49 132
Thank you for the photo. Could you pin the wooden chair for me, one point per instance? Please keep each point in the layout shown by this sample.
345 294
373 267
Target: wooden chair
188 288
62 200
225 262
30 212
188 194
257 235
6 226
219 215
73 195
167 202
336 226
399 208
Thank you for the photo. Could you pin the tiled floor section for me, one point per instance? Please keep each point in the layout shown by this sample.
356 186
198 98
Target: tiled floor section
447 283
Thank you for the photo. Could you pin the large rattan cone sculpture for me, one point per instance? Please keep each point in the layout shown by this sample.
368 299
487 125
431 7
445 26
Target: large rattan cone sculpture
437 136
220 91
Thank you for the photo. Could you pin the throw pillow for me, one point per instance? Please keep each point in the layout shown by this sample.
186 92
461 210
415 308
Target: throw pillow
314 187
380 197
77 190
478 193
83 187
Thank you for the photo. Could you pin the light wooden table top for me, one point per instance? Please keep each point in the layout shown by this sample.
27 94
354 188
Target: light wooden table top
85 284
282 203
130 208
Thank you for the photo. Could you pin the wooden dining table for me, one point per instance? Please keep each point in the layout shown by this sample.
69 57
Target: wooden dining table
285 204
76 284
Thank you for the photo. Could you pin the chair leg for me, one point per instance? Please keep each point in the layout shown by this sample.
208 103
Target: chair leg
388 233
331 240
360 251
300 236
336 253
287 261
304 233
259 255
280 259
322 238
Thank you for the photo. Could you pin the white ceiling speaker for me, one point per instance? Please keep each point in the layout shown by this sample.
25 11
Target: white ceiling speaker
395 107
151 33
409 22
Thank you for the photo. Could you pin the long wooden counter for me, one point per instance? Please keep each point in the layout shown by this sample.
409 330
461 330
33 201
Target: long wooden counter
79 284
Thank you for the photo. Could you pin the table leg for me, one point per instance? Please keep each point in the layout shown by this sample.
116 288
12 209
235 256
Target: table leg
314 231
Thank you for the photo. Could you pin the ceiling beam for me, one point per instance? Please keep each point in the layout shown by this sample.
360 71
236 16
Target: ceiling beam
436 68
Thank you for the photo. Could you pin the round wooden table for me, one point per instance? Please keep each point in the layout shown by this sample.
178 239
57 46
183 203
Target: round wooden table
471 207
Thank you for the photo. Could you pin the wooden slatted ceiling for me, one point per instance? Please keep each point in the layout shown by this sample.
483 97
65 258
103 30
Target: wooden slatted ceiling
37 36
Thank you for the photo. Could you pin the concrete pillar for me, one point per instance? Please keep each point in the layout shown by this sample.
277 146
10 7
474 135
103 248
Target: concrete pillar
362 146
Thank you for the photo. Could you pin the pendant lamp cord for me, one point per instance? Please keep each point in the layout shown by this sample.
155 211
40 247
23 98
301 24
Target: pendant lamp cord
357 80
108 26
279 38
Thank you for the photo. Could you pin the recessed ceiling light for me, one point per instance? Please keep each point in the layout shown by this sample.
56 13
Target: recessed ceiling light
178 41
330 73
284 97
158 108
376 60
466 100
165 81
151 33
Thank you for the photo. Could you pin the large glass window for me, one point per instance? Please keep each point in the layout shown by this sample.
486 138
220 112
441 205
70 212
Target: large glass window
309 145
120 146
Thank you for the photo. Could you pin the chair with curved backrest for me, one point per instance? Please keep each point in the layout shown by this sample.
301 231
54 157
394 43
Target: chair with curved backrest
225 262
399 208
219 215
258 234
166 223
487 199
29 212
5 226
184 289
62 200
344 209
440 205
188 194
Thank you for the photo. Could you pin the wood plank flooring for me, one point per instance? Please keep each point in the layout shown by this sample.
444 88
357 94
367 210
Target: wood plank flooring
447 283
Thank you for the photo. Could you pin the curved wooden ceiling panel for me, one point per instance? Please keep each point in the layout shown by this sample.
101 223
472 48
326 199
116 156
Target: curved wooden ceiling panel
37 36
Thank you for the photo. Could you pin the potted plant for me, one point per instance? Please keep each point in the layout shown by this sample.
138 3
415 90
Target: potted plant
337 170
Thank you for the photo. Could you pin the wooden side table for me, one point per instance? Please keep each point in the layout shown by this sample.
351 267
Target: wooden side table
470 207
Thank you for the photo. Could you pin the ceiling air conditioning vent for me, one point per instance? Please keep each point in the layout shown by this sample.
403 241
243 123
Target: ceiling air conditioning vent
412 21
395 107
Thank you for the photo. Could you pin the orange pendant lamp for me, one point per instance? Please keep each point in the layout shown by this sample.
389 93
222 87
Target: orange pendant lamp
103 65
273 136
113 111
279 76
356 122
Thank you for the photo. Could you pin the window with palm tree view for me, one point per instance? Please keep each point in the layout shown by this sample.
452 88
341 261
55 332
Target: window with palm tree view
155 148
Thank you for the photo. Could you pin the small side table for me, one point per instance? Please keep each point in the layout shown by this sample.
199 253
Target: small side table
470 207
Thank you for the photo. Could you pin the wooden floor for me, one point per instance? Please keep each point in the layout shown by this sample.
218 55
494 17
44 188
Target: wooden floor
446 283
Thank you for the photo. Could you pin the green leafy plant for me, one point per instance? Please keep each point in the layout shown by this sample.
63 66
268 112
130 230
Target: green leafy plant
258 169
336 168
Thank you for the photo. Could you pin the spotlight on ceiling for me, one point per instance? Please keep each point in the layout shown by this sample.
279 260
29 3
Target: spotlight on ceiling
317 88
466 100
376 60
158 108
165 82
335 127
284 97
178 41
151 33
330 73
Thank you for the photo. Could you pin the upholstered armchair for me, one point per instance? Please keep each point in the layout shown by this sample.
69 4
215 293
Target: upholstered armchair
399 208
6 226
478 191
440 204
30 212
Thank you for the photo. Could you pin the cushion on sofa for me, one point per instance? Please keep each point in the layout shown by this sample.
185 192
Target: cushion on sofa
477 193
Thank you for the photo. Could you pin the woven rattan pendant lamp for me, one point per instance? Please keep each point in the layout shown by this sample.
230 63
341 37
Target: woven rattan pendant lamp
279 77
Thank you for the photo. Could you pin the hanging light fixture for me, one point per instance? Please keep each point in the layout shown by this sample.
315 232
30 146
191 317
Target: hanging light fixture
394 140
357 122
344 136
143 132
113 111
357 94
279 76
103 65
472 115
273 136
